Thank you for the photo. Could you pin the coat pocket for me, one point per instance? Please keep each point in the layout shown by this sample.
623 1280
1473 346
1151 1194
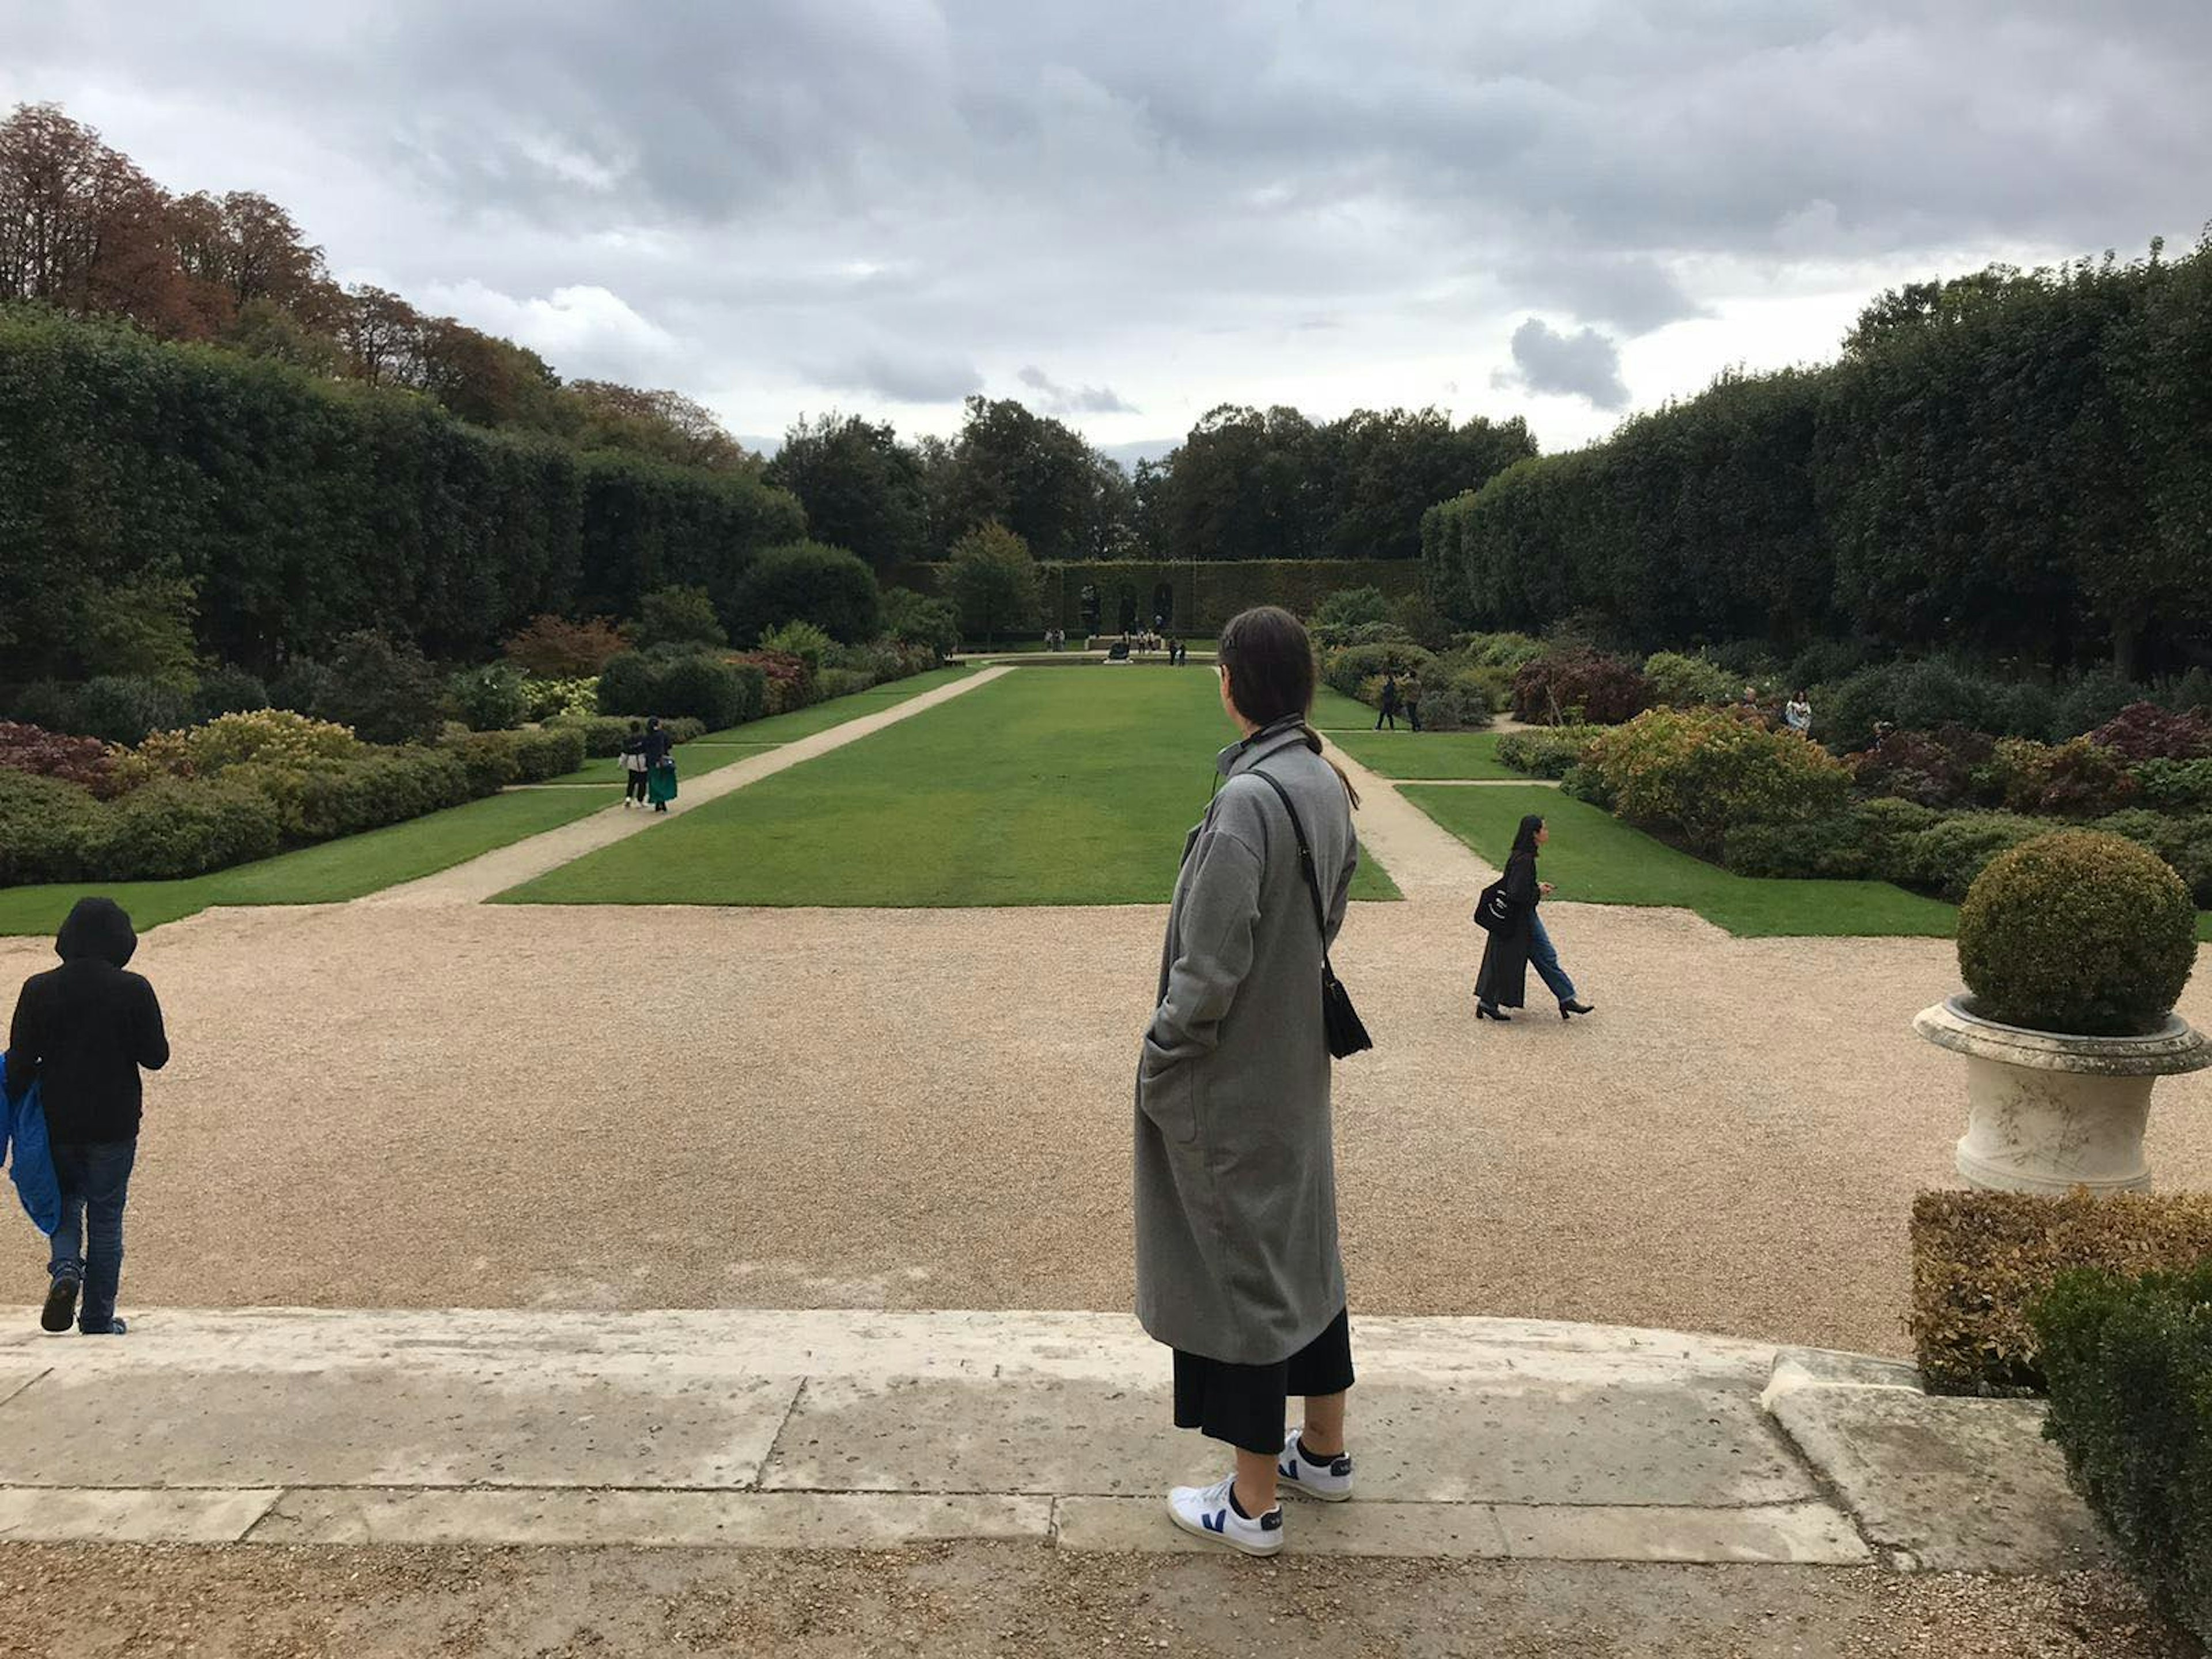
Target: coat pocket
1169 1098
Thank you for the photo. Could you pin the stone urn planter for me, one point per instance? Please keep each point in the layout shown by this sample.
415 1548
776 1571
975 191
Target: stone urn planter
2049 1111
2075 947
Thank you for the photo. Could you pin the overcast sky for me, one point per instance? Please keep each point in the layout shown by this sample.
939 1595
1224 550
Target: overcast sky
1127 214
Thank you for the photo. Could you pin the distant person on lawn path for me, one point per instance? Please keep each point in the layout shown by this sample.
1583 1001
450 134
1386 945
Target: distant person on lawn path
659 766
1238 1267
633 761
81 1032
1409 697
1797 714
1504 979
1389 702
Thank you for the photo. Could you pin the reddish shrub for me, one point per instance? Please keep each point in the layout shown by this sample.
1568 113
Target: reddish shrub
555 648
82 760
1936 769
1579 686
2143 731
790 681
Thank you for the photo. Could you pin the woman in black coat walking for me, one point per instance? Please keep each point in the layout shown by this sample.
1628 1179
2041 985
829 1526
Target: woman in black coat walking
1521 939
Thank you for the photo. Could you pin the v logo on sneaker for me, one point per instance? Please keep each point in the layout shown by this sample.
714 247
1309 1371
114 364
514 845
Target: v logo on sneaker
1218 1522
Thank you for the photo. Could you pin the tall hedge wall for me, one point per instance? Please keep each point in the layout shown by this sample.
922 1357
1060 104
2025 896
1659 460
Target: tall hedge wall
1205 594
302 509
2014 464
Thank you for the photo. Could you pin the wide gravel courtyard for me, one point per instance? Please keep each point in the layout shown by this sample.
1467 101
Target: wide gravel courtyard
619 1107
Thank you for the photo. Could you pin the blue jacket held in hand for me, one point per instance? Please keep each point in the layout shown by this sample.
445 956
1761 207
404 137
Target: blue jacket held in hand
23 1132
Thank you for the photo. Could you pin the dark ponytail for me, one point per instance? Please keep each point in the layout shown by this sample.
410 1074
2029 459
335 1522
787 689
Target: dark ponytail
1270 662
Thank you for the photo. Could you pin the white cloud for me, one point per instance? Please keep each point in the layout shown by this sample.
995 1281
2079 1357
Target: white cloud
586 330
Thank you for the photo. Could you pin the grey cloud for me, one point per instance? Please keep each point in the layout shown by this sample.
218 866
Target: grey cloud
1059 399
903 377
787 185
1585 364
1635 294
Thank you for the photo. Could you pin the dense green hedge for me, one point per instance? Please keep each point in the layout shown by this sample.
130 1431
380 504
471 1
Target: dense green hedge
2129 1360
300 509
2009 463
1205 594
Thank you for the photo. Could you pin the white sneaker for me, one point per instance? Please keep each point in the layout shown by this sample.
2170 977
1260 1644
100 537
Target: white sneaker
1331 1482
1205 1512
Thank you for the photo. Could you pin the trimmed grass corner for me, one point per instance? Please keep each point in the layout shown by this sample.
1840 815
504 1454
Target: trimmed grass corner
330 873
1592 858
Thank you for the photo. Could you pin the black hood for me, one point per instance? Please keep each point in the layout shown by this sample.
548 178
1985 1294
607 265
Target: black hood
99 929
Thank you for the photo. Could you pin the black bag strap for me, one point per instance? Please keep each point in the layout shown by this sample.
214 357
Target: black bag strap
1305 861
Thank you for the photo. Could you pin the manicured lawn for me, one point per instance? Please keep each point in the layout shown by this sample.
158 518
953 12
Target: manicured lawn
1334 712
716 749
1426 754
1592 858
1069 788
335 871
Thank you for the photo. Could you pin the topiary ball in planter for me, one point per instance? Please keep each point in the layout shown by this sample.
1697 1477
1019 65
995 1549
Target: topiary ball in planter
2080 933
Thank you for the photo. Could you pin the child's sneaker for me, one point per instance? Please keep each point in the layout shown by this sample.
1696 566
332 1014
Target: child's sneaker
1206 1512
1331 1481
60 1311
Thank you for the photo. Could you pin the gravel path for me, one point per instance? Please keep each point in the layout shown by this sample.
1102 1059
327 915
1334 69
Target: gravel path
511 1106
978 1600
484 877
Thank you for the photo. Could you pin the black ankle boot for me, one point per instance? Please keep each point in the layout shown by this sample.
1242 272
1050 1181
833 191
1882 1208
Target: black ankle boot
1569 1010
1483 1011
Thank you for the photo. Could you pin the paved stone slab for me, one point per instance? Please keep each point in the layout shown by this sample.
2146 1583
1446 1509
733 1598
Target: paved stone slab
1448 1443
1802 1533
1826 1368
1140 1525
493 1425
688 1519
1952 1485
41 1516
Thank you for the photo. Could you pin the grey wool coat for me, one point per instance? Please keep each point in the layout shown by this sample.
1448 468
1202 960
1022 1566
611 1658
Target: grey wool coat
1235 1169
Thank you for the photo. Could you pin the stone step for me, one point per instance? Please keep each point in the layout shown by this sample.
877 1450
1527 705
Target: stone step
1496 1438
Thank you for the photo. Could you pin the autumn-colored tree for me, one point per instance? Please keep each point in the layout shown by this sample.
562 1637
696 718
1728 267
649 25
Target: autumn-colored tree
241 247
82 229
383 336
666 425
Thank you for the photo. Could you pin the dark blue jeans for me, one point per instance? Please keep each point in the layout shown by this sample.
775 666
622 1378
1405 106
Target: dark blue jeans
95 1177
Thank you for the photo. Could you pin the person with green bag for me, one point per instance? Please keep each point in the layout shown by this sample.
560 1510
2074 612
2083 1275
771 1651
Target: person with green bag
659 766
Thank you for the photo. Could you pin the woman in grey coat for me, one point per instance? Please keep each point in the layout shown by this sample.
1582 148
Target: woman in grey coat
1238 1267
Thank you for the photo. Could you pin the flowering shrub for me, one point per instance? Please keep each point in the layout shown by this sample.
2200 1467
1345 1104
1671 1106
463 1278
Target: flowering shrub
1935 768
549 699
802 640
44 754
790 681
552 648
1349 669
1579 686
2080 779
274 737
1680 682
1697 773
2143 731
1548 751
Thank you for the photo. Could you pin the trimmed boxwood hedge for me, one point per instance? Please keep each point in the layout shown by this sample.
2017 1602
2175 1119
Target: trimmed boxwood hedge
1981 1259
2129 1361
2078 931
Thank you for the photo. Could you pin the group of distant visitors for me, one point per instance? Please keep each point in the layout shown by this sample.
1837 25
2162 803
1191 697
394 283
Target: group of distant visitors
1399 696
648 759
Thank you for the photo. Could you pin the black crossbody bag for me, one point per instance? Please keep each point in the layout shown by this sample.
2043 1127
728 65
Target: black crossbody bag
1340 1022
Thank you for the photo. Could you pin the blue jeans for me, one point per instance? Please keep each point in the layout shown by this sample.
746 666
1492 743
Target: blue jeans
1545 960
95 1177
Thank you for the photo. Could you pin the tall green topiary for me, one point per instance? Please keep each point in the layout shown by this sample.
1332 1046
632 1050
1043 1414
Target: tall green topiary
2077 932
